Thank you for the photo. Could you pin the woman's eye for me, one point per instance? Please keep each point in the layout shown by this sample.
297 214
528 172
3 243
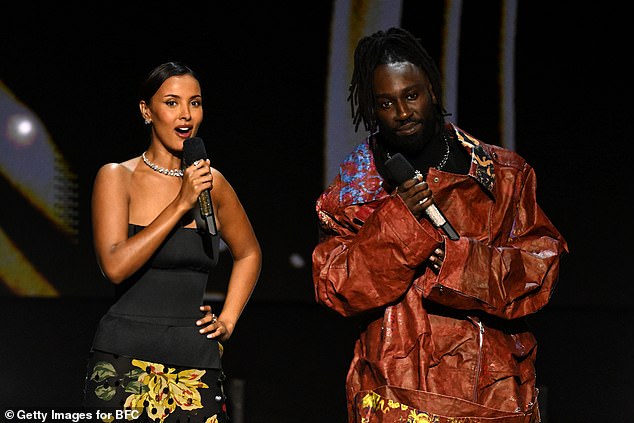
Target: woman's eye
170 103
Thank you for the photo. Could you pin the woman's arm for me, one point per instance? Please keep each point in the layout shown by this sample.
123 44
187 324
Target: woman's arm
117 255
238 234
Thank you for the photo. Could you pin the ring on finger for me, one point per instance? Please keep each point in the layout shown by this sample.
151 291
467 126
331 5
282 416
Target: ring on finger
196 163
214 318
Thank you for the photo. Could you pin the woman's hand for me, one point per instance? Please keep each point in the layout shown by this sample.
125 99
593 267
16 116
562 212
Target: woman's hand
416 194
211 326
196 178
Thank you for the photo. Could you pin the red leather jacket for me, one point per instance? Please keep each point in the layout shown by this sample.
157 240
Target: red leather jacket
457 335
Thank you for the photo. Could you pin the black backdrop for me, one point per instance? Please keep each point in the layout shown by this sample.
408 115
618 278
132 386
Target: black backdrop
263 80
264 70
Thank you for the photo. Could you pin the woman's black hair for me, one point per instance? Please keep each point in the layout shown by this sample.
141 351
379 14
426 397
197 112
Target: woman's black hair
159 74
383 47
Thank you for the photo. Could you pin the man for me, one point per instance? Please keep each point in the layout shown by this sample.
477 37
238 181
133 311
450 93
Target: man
441 330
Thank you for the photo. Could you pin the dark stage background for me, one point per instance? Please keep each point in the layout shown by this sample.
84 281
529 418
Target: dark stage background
264 71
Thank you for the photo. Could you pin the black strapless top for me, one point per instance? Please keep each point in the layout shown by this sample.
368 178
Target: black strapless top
154 316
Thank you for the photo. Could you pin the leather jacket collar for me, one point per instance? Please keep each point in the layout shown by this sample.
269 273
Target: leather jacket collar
362 183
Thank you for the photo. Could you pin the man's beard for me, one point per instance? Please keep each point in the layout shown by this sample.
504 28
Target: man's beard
411 144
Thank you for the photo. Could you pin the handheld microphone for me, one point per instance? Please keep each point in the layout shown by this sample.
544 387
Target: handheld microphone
194 149
401 170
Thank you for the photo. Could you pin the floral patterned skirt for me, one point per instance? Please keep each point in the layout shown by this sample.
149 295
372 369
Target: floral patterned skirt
143 391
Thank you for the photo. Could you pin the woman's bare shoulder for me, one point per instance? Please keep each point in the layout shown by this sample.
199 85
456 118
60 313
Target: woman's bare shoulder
120 169
117 172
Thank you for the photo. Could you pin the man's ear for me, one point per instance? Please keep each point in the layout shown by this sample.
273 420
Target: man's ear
432 94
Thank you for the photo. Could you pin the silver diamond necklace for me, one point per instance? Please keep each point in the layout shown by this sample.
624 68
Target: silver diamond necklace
443 162
159 169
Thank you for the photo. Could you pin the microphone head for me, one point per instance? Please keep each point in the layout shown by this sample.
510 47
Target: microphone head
193 149
399 168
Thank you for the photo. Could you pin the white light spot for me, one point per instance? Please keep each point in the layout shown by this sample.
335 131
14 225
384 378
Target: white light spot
296 261
21 130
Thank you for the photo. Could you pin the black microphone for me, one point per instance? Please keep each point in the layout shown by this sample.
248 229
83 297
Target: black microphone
194 149
401 170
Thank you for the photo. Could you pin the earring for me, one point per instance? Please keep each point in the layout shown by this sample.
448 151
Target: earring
148 121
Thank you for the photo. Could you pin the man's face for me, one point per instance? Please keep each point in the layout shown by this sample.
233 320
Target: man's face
405 105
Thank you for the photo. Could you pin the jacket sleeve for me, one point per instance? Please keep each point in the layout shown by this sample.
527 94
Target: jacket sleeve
369 263
511 277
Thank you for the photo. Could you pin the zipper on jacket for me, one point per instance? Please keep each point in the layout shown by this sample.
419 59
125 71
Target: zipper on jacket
479 364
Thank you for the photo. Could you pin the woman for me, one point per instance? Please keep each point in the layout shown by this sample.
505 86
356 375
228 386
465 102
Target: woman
157 350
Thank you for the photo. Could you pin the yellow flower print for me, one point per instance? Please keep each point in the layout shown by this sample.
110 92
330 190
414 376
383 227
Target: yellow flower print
371 400
137 401
373 403
416 417
185 388
166 390
393 404
212 419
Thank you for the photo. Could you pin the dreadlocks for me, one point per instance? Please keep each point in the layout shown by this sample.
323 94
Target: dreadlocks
384 47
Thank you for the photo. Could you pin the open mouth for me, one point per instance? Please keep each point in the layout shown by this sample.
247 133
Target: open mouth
184 130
